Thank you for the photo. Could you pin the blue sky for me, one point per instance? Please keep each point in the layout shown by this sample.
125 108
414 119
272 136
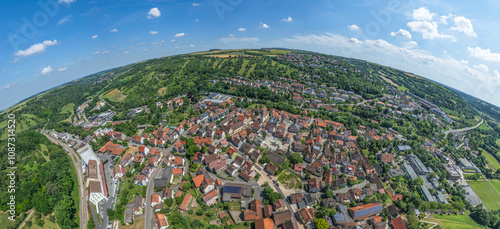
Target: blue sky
50 42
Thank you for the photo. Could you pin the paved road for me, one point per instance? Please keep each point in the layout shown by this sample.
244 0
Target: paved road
27 218
464 129
148 212
344 190
83 215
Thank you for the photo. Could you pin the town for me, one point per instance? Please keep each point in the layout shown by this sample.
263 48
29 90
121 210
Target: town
267 166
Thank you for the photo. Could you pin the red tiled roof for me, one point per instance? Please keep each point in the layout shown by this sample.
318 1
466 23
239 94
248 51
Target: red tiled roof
185 202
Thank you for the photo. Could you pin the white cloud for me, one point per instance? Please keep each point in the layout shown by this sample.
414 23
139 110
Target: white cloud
401 33
264 25
429 30
153 32
99 52
126 52
243 39
173 40
481 67
353 27
191 45
410 44
241 29
444 18
64 20
355 41
114 31
62 69
464 62
67 1
484 54
7 86
46 70
289 19
196 20
36 48
196 4
158 43
179 35
231 35
153 13
464 25
94 37
422 14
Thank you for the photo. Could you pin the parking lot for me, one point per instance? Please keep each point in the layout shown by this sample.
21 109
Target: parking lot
470 195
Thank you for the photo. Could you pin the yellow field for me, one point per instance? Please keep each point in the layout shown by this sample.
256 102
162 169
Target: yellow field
411 75
115 95
138 224
162 91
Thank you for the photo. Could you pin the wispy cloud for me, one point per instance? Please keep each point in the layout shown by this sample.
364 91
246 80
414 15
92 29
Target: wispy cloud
64 20
153 32
243 39
242 29
36 48
67 1
196 4
99 52
114 31
158 43
62 69
153 13
179 35
94 37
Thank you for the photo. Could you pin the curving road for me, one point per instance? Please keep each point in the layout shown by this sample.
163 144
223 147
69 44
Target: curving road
83 215
464 129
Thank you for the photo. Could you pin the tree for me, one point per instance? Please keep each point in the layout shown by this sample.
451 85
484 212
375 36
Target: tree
296 158
329 194
169 202
321 224
146 141
264 159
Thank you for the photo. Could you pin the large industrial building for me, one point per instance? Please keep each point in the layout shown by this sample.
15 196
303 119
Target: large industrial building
365 211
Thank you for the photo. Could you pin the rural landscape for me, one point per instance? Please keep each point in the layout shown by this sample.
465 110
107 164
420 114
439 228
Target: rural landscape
252 138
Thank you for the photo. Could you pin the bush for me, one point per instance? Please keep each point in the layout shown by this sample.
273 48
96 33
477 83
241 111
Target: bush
190 211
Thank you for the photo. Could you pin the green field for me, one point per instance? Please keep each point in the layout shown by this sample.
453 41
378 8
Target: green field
4 221
46 223
465 218
289 180
492 161
68 108
487 193
455 221
496 184
243 67
251 70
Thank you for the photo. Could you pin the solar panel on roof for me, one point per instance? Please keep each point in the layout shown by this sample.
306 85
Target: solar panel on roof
338 217
230 189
